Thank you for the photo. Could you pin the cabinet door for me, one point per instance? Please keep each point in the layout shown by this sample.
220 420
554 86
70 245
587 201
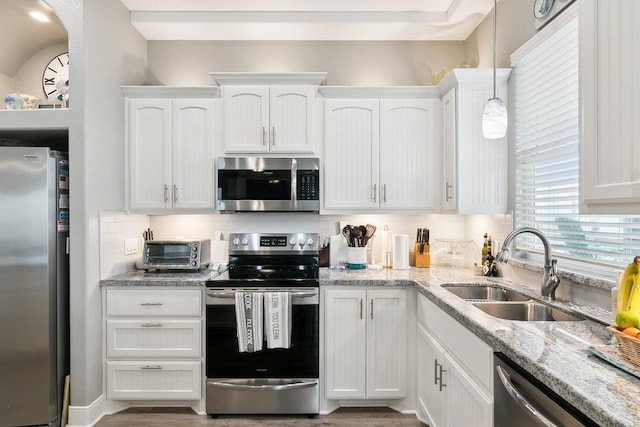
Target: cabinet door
609 68
149 159
345 344
386 343
192 154
482 164
291 119
408 177
466 403
352 157
430 396
246 119
450 155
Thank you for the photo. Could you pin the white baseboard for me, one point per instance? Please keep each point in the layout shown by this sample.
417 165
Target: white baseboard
87 416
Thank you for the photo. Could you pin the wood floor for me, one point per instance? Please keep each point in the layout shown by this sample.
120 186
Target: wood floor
185 417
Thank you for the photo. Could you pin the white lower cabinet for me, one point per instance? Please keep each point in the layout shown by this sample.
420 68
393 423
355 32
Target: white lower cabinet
152 379
154 344
365 344
455 382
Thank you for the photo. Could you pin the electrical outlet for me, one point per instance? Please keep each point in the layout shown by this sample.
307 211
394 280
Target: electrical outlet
130 246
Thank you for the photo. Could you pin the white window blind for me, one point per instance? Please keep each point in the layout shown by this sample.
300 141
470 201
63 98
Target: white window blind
547 162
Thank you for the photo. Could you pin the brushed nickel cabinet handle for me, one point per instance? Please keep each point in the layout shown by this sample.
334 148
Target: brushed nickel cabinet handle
273 136
151 325
360 308
264 136
148 304
175 193
448 195
155 367
166 193
384 193
374 192
371 308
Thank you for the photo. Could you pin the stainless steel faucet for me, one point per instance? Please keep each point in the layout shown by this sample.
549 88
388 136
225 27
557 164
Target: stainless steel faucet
550 279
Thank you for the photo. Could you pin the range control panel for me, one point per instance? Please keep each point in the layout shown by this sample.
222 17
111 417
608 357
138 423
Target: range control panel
267 243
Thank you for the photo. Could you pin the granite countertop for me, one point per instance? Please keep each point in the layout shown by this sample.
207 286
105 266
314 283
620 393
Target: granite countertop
556 353
163 278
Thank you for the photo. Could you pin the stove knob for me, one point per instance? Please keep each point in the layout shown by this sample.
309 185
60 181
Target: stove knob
236 241
245 241
310 241
301 243
292 242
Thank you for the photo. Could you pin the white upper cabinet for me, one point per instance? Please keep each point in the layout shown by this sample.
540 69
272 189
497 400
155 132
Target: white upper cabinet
269 113
609 69
169 148
379 153
475 169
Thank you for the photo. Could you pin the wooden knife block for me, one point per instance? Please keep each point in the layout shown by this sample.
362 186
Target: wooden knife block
422 260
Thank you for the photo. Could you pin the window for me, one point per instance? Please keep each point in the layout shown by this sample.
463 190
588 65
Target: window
547 142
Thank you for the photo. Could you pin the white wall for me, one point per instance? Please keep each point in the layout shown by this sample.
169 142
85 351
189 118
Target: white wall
7 86
347 63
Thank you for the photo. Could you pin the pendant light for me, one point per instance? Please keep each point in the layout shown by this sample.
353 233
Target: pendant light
494 117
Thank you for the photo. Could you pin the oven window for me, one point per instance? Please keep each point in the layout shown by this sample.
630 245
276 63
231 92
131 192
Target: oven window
252 185
168 253
299 361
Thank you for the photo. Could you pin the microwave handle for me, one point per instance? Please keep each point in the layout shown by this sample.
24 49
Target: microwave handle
294 181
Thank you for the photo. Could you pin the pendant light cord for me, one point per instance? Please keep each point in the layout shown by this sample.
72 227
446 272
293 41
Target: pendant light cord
495 43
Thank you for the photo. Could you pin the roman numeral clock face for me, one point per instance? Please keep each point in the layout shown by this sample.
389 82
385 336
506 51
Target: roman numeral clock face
56 74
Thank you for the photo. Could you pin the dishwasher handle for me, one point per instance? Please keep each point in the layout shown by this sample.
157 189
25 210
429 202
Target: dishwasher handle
521 400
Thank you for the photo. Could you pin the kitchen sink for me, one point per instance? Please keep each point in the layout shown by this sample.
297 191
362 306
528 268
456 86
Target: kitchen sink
484 292
525 311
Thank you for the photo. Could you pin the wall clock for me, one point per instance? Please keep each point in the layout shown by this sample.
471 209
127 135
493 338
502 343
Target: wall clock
55 78
541 8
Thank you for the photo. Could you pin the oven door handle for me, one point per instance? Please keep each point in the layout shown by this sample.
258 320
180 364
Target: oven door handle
232 294
275 387
521 400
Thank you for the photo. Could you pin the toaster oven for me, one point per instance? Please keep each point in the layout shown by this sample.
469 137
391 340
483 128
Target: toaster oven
176 254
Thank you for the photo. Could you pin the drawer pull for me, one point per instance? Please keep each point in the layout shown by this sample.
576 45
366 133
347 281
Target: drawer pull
156 367
151 325
149 304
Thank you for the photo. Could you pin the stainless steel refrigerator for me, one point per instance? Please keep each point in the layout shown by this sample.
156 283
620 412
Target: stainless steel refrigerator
34 285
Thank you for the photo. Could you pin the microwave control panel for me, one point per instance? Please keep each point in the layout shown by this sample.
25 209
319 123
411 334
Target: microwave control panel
308 185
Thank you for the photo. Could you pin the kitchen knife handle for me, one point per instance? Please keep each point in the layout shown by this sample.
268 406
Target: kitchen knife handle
374 192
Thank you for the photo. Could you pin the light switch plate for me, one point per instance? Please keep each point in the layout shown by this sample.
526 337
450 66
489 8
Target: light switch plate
130 246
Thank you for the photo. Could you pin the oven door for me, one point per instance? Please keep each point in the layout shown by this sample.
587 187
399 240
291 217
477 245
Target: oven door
223 358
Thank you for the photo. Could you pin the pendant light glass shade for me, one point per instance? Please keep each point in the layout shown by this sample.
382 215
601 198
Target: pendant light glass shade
494 118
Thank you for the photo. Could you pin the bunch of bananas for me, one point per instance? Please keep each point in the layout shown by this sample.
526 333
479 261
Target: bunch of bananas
628 303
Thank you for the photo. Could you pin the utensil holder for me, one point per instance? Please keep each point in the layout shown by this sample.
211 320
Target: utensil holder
356 258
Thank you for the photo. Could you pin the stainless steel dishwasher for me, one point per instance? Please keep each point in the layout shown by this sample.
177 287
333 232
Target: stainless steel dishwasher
521 400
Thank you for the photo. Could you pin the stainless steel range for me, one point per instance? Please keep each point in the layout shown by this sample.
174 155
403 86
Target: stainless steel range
263 327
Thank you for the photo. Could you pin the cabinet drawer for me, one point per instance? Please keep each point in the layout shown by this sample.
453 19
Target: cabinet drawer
473 354
153 338
154 302
149 380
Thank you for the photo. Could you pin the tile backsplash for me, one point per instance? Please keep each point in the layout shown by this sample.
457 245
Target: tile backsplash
115 228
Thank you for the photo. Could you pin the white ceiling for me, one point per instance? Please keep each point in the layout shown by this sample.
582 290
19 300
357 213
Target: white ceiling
307 19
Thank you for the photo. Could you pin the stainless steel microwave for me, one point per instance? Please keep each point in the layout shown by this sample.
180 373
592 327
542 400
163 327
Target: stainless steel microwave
175 254
268 184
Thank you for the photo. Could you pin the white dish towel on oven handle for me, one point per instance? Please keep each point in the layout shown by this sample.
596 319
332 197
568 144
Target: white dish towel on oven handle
277 319
249 315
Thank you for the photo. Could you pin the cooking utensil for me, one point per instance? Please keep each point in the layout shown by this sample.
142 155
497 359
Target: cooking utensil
356 234
370 229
